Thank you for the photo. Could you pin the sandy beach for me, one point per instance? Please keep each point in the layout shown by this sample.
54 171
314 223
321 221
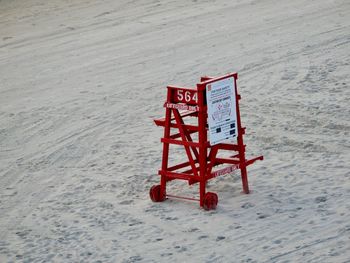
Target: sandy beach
80 85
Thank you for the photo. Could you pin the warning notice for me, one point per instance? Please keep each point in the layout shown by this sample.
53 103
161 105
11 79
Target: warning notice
222 116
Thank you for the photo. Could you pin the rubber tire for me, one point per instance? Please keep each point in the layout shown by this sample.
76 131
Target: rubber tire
210 201
154 193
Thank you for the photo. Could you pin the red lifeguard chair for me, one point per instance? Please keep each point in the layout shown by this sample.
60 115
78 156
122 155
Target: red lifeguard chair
215 103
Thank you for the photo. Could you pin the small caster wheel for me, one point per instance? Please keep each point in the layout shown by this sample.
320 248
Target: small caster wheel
210 201
154 194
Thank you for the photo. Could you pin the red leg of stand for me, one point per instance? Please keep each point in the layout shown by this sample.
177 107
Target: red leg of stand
165 154
245 180
243 169
202 137
241 149
242 162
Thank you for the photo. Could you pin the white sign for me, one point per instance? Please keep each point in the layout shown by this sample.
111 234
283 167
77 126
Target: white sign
222 116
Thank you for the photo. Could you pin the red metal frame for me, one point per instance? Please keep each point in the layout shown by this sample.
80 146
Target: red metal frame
183 103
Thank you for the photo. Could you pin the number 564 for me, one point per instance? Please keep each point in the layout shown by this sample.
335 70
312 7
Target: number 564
186 96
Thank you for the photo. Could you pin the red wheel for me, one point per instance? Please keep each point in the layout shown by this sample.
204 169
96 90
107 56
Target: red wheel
154 194
210 201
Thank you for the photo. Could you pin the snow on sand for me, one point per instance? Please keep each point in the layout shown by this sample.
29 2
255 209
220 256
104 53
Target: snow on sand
80 82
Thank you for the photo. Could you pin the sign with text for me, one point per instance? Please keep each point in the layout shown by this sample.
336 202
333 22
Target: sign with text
222 116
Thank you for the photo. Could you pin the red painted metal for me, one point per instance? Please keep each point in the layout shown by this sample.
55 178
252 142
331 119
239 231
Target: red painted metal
155 195
185 103
183 197
210 201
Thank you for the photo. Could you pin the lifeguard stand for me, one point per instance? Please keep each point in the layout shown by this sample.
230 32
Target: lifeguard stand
215 103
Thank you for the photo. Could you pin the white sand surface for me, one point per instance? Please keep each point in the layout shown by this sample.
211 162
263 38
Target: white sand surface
81 81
